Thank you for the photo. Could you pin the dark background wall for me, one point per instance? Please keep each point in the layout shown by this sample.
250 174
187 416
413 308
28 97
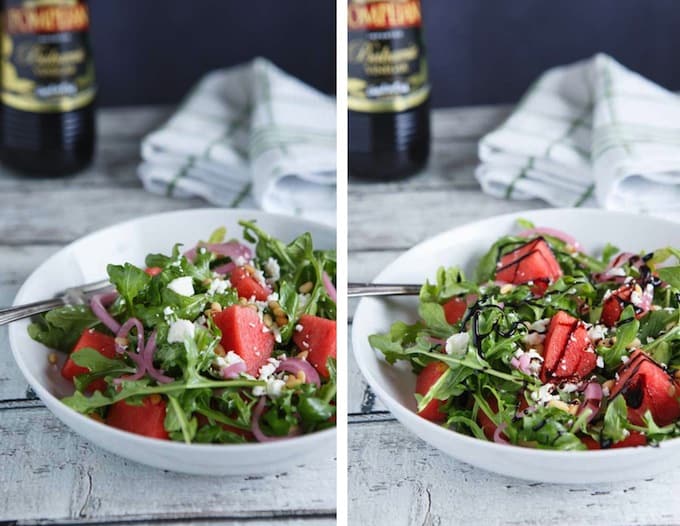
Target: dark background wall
489 51
152 51
481 51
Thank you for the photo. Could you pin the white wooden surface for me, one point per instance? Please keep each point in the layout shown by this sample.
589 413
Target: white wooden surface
394 477
49 474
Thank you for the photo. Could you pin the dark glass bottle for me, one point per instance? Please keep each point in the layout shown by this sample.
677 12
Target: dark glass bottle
47 121
388 89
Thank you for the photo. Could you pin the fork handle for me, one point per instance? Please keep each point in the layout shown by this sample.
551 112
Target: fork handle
355 290
20 312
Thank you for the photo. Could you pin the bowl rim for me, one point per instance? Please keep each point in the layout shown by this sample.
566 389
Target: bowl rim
411 419
99 427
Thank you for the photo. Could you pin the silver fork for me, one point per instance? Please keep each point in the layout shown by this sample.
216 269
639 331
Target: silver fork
355 290
71 296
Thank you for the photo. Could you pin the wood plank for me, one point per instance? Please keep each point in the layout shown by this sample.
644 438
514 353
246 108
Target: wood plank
17 264
311 519
401 219
360 397
61 215
395 478
50 473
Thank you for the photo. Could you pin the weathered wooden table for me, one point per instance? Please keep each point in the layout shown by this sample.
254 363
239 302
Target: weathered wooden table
48 473
394 477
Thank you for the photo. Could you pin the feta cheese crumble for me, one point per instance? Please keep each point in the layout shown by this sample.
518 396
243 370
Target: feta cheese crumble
231 358
218 286
535 360
183 286
272 269
597 332
544 394
180 330
457 343
540 325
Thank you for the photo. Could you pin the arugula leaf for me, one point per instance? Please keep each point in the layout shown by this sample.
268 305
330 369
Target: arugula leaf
616 420
61 328
129 280
449 384
608 252
99 366
670 275
218 235
315 410
525 224
177 419
626 333
216 434
449 282
435 320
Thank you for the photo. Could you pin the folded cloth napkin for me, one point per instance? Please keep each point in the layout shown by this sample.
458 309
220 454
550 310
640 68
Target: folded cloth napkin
587 134
248 136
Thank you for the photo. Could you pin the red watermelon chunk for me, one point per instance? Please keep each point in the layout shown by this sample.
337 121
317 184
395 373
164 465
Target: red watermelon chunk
454 310
568 353
426 379
98 341
243 333
532 262
247 286
146 419
318 337
647 386
614 304
153 271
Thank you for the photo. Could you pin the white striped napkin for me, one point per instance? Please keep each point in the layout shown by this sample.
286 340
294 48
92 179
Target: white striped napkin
587 134
248 135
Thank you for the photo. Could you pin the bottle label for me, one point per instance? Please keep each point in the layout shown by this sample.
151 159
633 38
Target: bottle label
46 61
387 69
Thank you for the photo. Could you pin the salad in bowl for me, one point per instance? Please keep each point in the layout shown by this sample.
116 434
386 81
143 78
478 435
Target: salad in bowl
547 346
227 342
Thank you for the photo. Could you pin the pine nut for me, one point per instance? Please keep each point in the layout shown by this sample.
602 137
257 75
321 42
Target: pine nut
302 355
52 358
155 399
306 288
281 321
508 287
267 320
219 350
278 312
215 307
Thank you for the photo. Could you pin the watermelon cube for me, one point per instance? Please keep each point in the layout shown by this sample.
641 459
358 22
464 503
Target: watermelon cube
247 286
246 335
146 419
98 341
317 336
532 262
647 386
568 351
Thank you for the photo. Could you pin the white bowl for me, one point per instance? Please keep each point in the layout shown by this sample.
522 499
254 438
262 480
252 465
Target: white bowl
85 261
463 246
